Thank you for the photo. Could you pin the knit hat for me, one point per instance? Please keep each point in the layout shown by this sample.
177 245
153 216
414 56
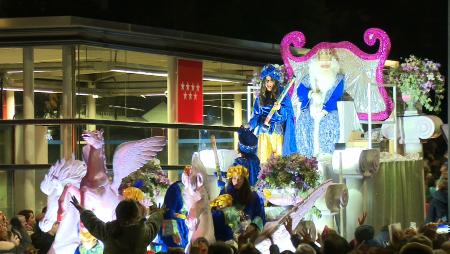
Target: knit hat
248 142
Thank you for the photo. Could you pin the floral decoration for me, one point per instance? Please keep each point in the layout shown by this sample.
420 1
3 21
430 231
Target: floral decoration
150 179
420 79
294 171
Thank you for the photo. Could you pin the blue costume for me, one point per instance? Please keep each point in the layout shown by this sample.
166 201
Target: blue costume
254 210
279 137
248 146
174 224
329 123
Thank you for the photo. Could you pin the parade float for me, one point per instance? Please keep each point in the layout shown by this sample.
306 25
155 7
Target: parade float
339 170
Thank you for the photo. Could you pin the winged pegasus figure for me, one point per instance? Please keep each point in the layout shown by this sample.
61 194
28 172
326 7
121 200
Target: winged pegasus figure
89 182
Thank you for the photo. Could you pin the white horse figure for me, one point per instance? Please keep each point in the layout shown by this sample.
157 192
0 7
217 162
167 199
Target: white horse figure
95 191
196 199
61 177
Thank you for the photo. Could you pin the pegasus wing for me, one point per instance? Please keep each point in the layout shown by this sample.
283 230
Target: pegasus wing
131 156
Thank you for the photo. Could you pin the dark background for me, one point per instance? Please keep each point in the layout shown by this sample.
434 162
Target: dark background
415 27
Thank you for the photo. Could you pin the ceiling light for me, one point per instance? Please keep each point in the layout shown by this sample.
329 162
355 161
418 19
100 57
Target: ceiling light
21 71
226 92
149 73
218 80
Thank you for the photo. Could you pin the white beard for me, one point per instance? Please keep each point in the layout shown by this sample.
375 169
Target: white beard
322 80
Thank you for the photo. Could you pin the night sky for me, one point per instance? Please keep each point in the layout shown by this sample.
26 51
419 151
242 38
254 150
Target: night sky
418 27
415 27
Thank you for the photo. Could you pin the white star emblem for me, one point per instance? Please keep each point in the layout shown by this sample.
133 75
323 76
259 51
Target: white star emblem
195 96
198 87
185 95
187 86
190 96
182 86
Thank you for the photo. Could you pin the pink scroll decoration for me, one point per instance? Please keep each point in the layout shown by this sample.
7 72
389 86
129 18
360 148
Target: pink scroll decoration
371 35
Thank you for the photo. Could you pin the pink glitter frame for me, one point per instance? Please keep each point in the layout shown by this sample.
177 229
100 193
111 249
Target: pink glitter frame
371 35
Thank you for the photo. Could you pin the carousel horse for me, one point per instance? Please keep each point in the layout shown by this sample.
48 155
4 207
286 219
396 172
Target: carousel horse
188 214
196 198
95 190
63 173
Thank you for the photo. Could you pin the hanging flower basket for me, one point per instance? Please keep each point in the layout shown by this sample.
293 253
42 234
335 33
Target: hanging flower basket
420 82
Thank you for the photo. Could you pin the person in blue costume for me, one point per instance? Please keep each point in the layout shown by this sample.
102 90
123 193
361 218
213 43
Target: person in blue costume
226 218
317 127
278 138
174 231
248 147
244 199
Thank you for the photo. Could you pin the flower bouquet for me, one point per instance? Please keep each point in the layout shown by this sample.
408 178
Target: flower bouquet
419 81
150 179
287 180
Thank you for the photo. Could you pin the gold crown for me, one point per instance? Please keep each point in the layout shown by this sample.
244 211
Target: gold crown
325 54
238 170
133 193
222 201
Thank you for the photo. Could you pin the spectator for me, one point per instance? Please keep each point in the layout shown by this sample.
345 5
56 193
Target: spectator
305 249
247 248
11 242
202 244
446 246
422 240
416 248
364 237
335 244
129 233
44 240
220 248
18 223
439 203
30 220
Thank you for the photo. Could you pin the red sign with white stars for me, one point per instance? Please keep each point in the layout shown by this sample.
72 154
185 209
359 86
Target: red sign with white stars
190 91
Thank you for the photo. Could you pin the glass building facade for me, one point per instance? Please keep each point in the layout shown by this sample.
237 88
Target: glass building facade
60 76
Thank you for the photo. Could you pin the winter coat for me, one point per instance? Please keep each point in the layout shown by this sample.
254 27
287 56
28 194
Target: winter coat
131 239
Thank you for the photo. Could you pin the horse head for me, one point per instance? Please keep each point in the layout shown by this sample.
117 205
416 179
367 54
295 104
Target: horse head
194 179
63 173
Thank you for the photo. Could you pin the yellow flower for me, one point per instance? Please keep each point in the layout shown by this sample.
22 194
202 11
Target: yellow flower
267 193
133 193
222 201
238 170
180 216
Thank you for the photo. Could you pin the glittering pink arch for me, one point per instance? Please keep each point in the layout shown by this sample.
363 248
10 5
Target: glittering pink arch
372 64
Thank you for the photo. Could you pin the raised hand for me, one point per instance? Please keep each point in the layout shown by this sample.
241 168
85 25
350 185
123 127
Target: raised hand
362 219
288 224
306 235
75 203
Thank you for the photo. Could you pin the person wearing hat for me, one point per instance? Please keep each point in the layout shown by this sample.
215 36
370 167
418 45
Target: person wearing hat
248 147
278 137
244 199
